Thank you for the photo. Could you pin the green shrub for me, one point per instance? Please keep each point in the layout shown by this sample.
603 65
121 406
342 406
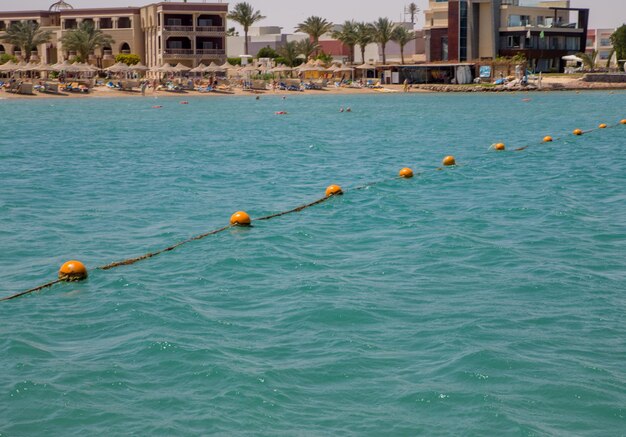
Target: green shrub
267 52
128 59
6 58
234 61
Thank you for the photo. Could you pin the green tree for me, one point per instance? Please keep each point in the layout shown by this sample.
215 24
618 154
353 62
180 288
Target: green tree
364 36
315 27
128 59
85 39
413 11
27 35
307 48
326 58
402 36
382 31
232 32
244 14
347 35
4 58
267 52
589 59
618 39
289 53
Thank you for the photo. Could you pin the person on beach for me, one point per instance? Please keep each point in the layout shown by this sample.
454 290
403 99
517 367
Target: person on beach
143 87
406 85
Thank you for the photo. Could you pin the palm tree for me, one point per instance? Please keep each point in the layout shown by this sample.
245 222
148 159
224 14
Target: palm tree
589 59
402 36
413 10
26 35
85 39
315 27
244 14
307 48
289 52
347 35
363 37
382 31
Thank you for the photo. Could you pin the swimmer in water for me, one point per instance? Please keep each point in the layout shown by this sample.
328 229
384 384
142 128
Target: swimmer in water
341 109
348 109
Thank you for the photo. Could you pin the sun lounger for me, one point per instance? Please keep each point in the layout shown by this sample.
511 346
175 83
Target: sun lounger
25 88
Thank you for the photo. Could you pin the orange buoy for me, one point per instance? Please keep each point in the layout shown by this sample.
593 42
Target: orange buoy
603 126
547 139
240 218
333 190
577 132
623 121
406 172
73 271
448 161
499 146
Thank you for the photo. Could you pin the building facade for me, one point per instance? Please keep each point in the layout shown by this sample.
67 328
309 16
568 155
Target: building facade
187 33
465 30
600 41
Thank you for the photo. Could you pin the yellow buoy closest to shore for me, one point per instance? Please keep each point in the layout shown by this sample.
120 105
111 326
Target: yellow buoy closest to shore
73 271
240 218
333 190
547 139
406 173
448 161
577 132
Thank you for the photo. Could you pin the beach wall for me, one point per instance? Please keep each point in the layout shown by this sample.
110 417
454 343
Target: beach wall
605 77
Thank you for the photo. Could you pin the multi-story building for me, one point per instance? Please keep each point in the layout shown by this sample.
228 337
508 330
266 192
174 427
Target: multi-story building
188 33
463 30
600 41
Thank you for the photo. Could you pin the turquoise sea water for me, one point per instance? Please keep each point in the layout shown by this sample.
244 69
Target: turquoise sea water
482 300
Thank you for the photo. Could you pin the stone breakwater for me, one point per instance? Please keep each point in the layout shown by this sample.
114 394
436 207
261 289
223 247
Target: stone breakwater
605 78
574 85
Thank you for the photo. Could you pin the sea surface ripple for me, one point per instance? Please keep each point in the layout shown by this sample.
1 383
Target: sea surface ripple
485 299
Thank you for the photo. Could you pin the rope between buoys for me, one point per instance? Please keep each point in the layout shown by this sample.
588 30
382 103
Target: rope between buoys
32 290
134 260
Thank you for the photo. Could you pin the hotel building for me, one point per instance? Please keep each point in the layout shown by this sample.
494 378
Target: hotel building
465 30
600 41
189 33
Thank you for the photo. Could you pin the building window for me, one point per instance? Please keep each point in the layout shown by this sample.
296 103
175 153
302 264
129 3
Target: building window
514 41
444 48
572 43
605 42
519 20
124 23
463 31
106 23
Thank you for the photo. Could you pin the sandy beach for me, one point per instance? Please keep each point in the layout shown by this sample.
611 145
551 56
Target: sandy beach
559 83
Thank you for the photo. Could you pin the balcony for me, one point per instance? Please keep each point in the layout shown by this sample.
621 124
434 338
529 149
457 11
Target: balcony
178 52
188 53
210 52
178 28
210 29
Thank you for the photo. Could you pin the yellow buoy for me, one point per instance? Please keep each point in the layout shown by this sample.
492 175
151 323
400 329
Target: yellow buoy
623 121
499 146
240 218
406 173
333 190
73 271
547 139
448 161
602 126
577 132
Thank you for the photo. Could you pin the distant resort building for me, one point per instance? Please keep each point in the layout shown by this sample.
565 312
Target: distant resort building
600 41
186 33
466 30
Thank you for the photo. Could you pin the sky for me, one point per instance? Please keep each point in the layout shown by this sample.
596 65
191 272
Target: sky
288 13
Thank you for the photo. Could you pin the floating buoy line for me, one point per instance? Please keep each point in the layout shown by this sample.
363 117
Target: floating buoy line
76 271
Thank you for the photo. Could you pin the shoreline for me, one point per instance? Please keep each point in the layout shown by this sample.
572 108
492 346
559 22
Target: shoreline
557 84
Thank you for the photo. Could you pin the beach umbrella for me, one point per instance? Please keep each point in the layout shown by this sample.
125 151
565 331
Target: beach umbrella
180 68
61 66
27 67
119 67
139 67
366 66
165 68
213 68
572 58
228 66
199 69
281 69
8 66
44 67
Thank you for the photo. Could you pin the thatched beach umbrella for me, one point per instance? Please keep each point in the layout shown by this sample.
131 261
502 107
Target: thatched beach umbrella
139 67
180 68
8 67
199 69
119 67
